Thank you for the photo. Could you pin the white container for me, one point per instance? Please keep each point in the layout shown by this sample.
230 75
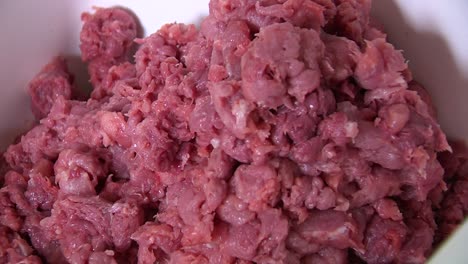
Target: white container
432 33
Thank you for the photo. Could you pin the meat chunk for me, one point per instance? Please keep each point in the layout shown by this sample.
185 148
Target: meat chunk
41 191
106 39
14 249
340 58
327 255
79 172
268 64
126 218
352 18
235 211
109 75
109 33
52 82
157 59
381 66
155 242
394 117
384 240
81 225
330 228
256 185
242 241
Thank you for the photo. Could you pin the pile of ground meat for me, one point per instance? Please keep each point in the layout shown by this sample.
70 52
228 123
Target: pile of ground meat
279 131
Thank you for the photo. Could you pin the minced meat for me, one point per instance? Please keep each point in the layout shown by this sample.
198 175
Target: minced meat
276 132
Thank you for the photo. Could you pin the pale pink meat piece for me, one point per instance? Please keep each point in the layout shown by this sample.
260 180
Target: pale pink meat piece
106 39
109 32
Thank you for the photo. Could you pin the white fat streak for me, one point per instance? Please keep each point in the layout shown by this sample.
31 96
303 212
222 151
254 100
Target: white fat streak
351 129
239 110
215 142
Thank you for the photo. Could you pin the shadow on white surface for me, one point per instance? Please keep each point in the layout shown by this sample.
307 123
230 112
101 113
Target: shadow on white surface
81 86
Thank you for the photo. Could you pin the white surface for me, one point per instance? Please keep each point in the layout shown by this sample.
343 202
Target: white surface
454 250
432 33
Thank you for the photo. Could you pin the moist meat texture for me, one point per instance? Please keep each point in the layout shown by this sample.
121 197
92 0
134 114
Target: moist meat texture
275 132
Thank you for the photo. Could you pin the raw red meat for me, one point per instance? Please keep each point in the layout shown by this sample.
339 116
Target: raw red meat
278 132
